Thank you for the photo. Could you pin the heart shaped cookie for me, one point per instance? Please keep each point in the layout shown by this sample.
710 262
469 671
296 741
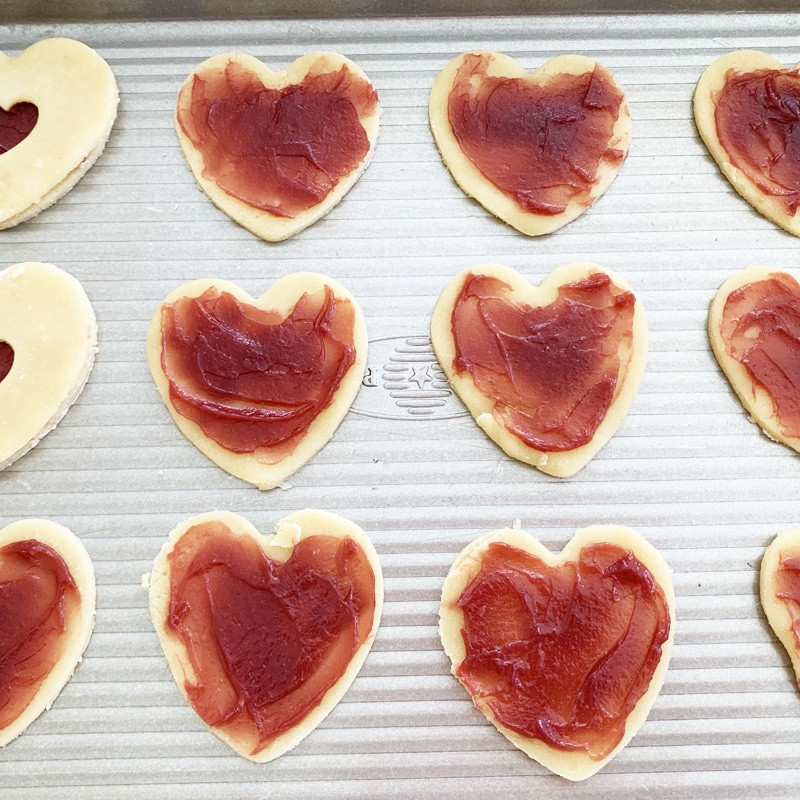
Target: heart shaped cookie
754 329
75 94
535 149
277 150
48 338
780 592
258 386
47 603
564 654
745 108
264 635
547 372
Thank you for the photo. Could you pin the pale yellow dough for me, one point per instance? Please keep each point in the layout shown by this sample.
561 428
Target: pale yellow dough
48 320
271 227
755 399
76 94
710 83
282 296
785 545
574 765
475 184
70 548
278 547
632 364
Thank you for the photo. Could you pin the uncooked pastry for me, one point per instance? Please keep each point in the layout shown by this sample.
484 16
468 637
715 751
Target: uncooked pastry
76 95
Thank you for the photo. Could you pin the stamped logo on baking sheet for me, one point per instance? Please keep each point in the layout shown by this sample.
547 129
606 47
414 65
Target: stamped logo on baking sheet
403 380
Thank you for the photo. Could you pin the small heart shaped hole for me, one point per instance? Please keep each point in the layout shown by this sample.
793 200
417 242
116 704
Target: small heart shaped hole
6 359
16 124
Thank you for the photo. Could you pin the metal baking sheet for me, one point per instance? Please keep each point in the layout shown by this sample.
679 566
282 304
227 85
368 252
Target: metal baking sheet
687 469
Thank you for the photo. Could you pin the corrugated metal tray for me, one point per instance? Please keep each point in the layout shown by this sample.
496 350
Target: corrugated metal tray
687 469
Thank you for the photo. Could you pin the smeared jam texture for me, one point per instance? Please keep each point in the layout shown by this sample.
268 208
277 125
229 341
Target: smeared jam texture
562 654
758 125
278 150
551 371
38 600
760 326
16 124
266 639
787 589
539 144
252 380
6 359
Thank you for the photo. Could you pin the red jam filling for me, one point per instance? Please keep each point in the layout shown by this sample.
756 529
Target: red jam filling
551 371
252 380
541 145
787 588
760 326
563 654
278 150
16 124
266 640
38 599
6 359
758 125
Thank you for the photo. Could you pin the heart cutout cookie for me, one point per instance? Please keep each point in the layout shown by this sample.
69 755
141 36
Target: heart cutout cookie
780 592
264 635
745 108
258 386
754 330
47 604
534 149
565 654
518 358
276 151
48 338
75 94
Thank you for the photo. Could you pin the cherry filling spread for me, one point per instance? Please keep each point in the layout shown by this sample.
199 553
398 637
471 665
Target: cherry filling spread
551 371
787 589
278 150
562 654
266 640
760 326
16 124
757 116
6 359
540 144
38 600
253 380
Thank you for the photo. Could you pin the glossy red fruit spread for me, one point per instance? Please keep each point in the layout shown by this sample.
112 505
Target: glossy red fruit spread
6 359
787 589
16 124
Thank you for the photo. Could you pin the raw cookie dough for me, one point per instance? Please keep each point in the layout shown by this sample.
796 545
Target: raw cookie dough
46 318
76 95
278 548
632 354
753 394
501 203
711 83
281 297
270 226
77 560
575 764
782 613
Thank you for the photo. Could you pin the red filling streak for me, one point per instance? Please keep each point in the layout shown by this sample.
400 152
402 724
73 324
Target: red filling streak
6 359
563 654
253 381
760 326
551 371
758 125
16 124
266 639
541 145
787 588
38 600
278 150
